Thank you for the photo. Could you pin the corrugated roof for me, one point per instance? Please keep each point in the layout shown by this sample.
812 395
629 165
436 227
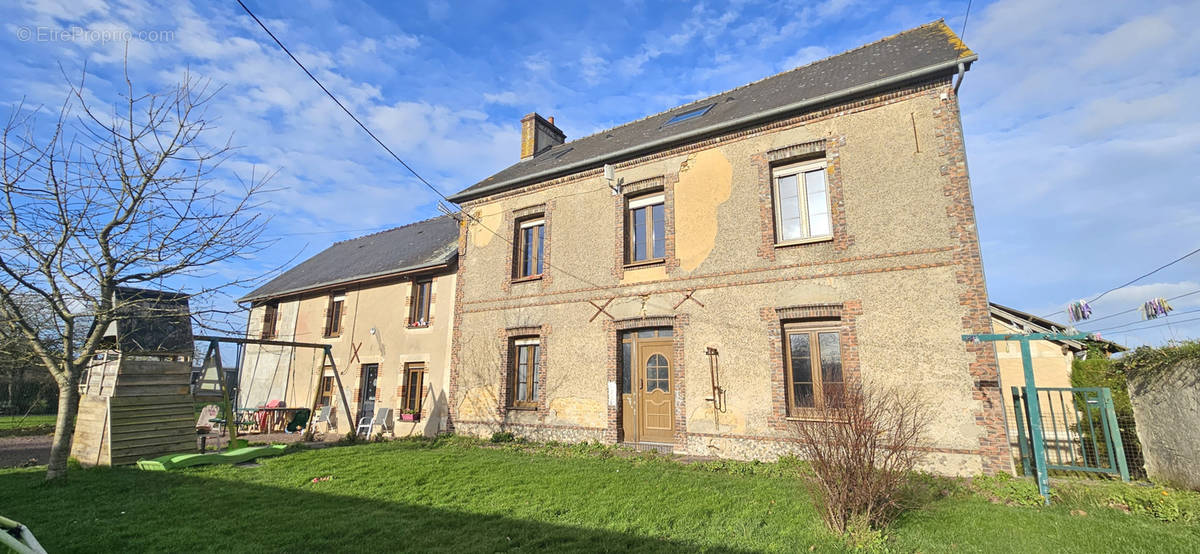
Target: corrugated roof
917 53
412 247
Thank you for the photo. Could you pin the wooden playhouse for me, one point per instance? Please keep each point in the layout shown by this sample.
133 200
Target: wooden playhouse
135 397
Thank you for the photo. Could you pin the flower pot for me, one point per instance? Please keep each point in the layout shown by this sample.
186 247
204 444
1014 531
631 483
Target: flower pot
410 417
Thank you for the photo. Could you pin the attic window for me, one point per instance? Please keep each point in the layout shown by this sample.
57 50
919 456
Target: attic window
690 114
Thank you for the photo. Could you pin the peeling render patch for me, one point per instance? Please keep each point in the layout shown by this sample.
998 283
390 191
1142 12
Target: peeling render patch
705 183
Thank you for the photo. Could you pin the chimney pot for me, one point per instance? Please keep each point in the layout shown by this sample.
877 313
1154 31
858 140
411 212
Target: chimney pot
538 134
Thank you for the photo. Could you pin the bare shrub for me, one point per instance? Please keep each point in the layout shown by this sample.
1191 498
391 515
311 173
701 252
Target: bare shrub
862 450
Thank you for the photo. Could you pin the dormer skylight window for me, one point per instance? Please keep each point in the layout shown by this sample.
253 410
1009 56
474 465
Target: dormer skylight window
690 114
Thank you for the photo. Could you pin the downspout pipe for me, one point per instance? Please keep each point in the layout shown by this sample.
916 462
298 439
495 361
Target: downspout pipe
962 70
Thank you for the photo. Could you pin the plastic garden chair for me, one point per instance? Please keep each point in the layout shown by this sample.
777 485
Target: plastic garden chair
383 419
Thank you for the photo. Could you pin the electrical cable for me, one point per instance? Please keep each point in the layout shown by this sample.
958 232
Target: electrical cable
1160 268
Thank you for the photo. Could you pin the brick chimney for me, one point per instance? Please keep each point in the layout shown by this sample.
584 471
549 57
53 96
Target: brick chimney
538 134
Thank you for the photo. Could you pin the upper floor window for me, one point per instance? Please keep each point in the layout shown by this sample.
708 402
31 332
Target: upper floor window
523 370
270 319
645 229
801 202
418 313
813 366
333 315
531 239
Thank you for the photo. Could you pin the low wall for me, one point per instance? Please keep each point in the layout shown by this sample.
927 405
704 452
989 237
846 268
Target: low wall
1166 406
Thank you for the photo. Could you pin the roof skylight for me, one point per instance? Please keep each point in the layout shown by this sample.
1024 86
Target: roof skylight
690 114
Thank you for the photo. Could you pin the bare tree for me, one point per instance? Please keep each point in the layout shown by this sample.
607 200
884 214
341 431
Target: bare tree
862 452
111 197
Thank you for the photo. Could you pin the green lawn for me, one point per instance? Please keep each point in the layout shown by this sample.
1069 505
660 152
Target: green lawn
42 424
454 496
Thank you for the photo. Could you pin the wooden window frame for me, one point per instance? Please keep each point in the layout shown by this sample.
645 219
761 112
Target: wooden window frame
322 398
529 222
645 200
407 401
420 306
799 169
333 318
813 329
270 321
532 345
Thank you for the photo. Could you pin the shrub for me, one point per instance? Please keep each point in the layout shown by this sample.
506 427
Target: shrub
502 436
861 453
1005 488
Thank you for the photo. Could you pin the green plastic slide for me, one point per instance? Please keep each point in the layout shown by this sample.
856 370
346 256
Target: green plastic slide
236 456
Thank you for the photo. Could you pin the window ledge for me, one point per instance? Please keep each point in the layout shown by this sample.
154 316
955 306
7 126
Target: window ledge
799 242
418 325
814 418
522 408
645 263
537 277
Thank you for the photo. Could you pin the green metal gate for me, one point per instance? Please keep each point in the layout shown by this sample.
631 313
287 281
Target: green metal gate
1078 427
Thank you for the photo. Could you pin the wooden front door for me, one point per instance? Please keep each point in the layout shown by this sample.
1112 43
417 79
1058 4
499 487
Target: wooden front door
656 394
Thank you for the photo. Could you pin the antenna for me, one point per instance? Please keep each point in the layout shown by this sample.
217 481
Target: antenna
610 175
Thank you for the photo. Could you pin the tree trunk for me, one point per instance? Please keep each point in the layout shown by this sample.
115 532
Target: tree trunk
64 427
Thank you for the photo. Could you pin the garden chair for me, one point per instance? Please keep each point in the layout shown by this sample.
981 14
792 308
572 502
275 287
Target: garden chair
383 418
204 423
325 415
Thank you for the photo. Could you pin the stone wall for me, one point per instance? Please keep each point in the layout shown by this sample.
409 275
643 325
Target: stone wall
1166 406
902 266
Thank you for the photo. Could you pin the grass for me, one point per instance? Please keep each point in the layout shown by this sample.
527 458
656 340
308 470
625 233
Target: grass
42 424
452 495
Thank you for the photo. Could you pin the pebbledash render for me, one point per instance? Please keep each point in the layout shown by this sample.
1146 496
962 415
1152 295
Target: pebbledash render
791 235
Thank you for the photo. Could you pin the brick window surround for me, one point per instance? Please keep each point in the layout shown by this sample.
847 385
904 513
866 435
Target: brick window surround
507 336
825 149
612 329
664 183
512 219
844 314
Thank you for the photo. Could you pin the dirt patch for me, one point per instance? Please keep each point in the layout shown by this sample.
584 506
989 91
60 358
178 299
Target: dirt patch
19 451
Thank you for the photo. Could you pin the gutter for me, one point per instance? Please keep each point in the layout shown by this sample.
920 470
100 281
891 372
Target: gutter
357 280
957 63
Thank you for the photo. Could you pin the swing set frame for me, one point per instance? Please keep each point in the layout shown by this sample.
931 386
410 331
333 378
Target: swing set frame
214 354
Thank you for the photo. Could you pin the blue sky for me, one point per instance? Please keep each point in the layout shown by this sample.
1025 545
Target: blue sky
1082 139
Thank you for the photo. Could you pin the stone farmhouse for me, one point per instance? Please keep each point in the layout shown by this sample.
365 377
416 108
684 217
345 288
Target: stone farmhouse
692 282
696 280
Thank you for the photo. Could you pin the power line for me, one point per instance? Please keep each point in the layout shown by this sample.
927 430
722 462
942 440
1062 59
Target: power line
1144 321
339 102
389 150
1090 321
963 33
1163 324
1160 268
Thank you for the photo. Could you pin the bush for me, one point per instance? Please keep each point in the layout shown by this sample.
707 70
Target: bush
1006 489
502 436
862 453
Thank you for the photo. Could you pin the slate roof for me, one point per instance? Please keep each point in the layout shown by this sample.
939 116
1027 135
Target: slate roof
917 53
412 247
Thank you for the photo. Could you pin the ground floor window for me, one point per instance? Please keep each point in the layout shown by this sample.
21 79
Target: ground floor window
524 367
414 387
813 366
326 391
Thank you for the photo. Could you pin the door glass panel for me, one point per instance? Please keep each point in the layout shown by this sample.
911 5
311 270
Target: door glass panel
626 367
657 376
802 392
